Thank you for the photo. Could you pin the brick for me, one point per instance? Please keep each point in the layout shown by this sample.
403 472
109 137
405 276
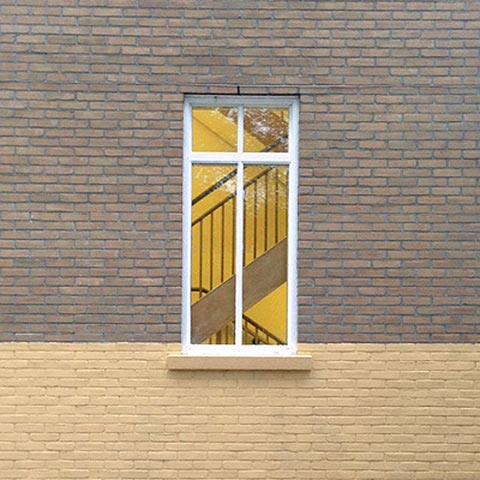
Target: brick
91 138
85 410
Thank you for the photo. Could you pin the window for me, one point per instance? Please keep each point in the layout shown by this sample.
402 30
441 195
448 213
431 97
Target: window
240 177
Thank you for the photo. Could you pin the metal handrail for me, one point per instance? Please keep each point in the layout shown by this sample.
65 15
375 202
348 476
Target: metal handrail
232 195
214 187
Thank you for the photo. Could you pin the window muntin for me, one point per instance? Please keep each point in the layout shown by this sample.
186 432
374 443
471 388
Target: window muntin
240 225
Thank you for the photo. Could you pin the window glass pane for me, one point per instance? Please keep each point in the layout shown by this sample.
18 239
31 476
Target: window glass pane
265 130
265 231
214 129
213 253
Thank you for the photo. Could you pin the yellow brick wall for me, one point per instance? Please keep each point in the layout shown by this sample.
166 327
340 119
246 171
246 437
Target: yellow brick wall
365 411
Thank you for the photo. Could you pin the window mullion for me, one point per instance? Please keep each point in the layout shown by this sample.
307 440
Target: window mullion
239 238
239 259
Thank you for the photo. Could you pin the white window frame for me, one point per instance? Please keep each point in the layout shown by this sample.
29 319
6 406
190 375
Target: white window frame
241 159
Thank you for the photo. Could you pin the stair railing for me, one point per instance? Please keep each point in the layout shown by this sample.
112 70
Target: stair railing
253 334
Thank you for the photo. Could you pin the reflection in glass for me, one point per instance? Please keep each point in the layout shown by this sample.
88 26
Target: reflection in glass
213 253
214 129
265 130
265 254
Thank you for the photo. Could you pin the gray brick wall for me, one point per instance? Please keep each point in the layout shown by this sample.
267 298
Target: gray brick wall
91 105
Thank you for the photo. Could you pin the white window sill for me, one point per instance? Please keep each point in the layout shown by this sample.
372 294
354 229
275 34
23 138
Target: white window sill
203 362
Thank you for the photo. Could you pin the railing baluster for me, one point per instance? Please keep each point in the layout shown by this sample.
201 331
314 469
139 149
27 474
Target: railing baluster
222 248
200 267
265 242
285 196
245 226
255 219
234 237
276 205
211 249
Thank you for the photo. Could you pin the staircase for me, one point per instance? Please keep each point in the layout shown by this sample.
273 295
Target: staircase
264 256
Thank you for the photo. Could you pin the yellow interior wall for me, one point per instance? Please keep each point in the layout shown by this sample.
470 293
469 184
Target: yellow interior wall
213 132
272 310
203 137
